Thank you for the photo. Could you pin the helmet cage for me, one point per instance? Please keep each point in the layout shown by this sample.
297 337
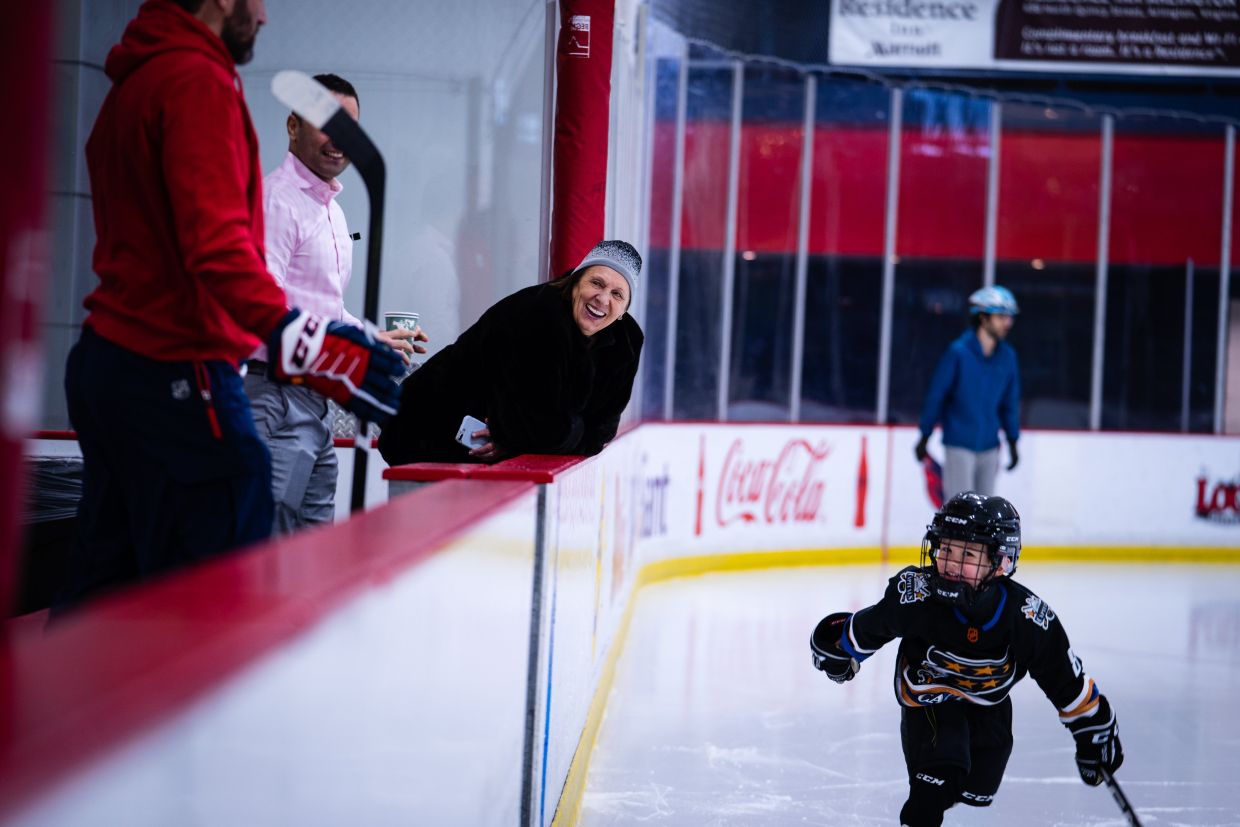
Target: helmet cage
991 522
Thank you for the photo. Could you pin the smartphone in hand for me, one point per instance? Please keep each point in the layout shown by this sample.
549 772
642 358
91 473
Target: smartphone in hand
465 433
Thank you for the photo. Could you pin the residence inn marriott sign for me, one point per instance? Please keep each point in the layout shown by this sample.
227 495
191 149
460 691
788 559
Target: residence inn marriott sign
1197 37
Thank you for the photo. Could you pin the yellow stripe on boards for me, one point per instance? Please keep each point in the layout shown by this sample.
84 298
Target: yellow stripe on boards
568 810
1129 554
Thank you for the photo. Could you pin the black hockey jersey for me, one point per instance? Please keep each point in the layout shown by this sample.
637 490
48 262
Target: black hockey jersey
947 655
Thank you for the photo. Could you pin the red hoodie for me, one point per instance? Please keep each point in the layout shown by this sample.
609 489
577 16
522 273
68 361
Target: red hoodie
178 200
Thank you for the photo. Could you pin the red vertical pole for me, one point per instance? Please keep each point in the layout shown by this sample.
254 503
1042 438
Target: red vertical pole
582 124
863 485
23 261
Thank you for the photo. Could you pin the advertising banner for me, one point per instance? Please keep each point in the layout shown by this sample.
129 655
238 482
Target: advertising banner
1171 37
760 487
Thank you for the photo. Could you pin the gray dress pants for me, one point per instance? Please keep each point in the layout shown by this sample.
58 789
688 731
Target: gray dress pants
965 470
294 423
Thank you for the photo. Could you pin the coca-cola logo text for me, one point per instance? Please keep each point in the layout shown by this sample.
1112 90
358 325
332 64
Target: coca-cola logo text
785 489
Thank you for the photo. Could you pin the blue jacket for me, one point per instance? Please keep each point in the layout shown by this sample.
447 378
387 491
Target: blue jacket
971 395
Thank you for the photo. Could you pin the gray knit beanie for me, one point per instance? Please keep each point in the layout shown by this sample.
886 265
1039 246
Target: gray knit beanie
619 256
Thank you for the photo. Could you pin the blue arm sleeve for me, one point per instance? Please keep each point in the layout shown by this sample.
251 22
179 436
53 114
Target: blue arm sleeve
940 385
1009 408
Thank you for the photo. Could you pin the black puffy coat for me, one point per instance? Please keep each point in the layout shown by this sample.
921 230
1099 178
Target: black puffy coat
527 370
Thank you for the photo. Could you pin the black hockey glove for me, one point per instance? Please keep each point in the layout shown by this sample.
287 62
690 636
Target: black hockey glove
919 450
338 360
1013 454
825 644
1097 743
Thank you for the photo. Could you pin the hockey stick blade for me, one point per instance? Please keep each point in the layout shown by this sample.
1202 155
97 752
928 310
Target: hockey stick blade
1121 799
311 100
315 104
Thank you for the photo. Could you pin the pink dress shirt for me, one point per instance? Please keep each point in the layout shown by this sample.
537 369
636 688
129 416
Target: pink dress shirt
309 251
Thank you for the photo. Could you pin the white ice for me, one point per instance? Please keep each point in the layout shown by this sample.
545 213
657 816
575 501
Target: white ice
716 716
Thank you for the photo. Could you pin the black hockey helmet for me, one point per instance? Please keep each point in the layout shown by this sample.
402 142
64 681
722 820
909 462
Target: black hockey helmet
974 518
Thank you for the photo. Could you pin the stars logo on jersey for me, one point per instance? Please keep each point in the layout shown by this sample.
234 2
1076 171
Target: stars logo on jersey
1038 611
943 674
913 587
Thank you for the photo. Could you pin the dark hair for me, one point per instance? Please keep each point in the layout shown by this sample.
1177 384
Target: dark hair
191 6
566 281
976 319
339 85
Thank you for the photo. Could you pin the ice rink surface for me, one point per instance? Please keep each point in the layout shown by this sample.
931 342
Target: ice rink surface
716 716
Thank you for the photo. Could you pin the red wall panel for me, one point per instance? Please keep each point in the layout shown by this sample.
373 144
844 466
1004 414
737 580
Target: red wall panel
942 194
1048 196
769 188
1166 201
705 185
849 191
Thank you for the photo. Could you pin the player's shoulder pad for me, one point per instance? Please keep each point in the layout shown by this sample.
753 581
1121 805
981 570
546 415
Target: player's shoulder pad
910 585
1031 607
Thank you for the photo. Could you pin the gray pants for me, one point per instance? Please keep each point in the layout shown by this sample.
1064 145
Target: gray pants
965 470
294 423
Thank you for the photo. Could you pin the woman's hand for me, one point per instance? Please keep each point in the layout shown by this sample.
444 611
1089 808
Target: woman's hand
490 452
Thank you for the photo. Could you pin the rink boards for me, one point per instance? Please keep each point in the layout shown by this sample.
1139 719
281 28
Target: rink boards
407 686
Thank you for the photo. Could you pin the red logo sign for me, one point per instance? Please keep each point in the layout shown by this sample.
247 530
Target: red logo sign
784 489
1218 503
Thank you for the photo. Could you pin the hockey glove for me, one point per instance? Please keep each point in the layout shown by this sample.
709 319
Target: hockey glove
1015 457
340 361
828 655
1097 743
919 450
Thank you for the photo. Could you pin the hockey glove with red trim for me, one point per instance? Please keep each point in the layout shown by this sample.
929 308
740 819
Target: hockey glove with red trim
828 655
340 361
1097 743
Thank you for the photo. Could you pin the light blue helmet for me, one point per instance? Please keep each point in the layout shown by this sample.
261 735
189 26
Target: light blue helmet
993 300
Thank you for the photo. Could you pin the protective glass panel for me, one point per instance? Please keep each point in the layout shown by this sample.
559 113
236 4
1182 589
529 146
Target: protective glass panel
451 95
1046 244
944 151
766 243
843 295
658 256
698 332
1162 287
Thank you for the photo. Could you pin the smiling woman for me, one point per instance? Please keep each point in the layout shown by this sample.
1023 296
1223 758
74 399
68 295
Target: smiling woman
599 295
549 369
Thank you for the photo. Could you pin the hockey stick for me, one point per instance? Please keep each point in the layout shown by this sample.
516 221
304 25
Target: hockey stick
315 104
1120 798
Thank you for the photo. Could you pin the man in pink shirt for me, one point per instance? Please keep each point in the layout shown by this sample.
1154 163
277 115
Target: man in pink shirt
310 254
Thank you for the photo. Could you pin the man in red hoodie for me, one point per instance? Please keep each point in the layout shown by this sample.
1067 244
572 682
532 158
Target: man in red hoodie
174 470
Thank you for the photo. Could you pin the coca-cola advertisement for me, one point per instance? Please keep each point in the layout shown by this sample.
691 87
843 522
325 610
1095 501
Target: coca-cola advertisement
786 488
730 488
807 486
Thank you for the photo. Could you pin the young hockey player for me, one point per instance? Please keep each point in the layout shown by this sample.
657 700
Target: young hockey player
968 633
